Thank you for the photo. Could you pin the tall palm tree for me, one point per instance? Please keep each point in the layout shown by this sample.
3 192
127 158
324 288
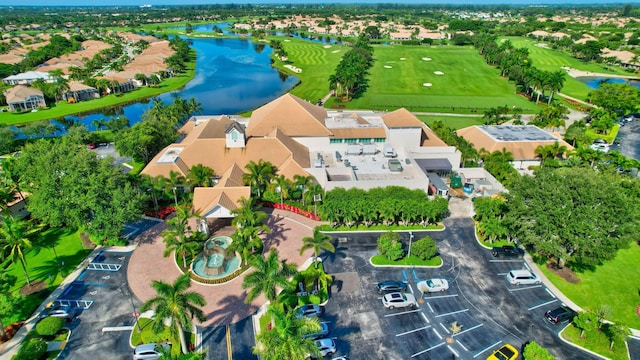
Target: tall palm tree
282 187
177 237
302 183
556 82
200 176
269 274
259 175
16 236
172 182
248 214
176 305
285 340
317 242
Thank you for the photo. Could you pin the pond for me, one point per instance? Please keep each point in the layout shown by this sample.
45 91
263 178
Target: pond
232 76
594 82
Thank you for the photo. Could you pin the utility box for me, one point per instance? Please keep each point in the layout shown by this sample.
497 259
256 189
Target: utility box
456 181
389 151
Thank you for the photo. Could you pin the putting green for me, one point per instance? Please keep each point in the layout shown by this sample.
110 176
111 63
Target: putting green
460 81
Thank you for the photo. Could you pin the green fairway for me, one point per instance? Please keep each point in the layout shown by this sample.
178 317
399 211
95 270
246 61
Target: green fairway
459 79
454 122
552 60
317 62
613 285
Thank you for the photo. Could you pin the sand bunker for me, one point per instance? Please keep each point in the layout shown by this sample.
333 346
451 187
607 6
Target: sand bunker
427 84
387 67
287 40
403 58
438 72
293 68
426 59
327 46
335 51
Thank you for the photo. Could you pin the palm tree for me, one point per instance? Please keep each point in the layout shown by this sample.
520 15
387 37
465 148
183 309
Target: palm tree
200 176
544 152
285 340
269 274
556 82
260 174
282 187
15 236
177 237
318 242
176 305
172 182
303 182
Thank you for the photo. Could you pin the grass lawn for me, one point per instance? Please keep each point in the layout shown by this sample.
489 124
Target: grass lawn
147 336
613 285
552 60
407 261
467 82
317 61
62 108
41 265
454 122
596 341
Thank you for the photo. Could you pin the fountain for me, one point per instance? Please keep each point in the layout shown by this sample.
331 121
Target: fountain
214 262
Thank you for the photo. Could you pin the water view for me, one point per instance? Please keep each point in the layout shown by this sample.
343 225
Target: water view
232 76
594 82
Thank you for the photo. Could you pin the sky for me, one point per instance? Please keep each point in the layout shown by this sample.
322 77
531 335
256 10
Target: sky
190 2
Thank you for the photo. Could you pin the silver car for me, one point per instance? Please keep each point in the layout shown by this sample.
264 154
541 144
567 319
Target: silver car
327 347
150 351
399 300
65 311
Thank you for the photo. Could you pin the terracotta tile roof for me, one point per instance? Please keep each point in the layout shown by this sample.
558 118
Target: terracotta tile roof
429 138
20 93
10 58
401 118
232 177
359 119
206 198
78 86
520 149
294 116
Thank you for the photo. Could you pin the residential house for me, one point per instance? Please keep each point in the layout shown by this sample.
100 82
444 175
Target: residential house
80 92
28 78
22 98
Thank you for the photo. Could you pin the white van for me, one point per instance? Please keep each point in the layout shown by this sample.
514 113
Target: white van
389 151
522 277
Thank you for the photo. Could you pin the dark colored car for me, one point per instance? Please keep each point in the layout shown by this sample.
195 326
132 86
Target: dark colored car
391 286
309 310
65 311
559 315
507 252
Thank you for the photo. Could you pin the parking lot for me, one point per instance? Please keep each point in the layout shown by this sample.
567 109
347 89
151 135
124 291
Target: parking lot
104 324
479 312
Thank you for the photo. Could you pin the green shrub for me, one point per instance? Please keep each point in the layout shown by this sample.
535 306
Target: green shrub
533 351
390 246
424 248
33 350
49 326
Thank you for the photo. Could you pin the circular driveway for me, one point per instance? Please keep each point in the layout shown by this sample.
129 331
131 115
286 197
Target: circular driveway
225 302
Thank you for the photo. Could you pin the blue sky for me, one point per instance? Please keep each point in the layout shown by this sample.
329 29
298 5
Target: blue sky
188 2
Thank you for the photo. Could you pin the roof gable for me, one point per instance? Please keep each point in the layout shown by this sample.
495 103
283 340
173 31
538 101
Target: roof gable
401 118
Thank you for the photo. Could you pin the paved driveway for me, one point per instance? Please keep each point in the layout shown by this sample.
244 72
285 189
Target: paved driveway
490 311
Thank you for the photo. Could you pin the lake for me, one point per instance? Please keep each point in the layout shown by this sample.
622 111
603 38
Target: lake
232 76
594 82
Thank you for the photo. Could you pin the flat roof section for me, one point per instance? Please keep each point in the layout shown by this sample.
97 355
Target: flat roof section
169 156
517 133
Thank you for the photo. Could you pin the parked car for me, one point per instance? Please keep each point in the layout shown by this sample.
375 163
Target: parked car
64 311
507 252
432 285
324 331
559 315
150 351
309 310
505 352
391 286
399 300
599 147
599 141
327 347
522 277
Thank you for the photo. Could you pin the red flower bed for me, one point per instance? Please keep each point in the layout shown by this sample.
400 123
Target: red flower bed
162 213
293 209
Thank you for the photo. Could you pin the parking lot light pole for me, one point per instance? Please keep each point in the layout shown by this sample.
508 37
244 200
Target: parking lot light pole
410 239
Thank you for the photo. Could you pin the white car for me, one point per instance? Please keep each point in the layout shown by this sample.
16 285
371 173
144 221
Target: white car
600 147
150 351
433 285
399 300
522 277
327 347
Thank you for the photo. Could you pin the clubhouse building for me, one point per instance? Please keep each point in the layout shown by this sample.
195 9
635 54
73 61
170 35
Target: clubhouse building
348 149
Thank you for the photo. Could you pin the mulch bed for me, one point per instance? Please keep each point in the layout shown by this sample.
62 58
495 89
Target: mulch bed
565 273
86 242
10 331
35 287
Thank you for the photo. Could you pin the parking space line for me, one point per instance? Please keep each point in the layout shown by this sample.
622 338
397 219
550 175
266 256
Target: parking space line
410 288
402 313
462 346
414 330
525 288
504 261
415 275
429 349
526 265
467 330
404 274
437 333
487 348
425 317
550 293
543 304
455 354
453 313
441 296
446 331
430 308
501 274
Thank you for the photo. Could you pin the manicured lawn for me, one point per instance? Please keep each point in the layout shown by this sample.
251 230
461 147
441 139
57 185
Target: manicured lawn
467 82
454 122
596 341
552 60
407 261
613 285
62 108
145 335
41 265
317 61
